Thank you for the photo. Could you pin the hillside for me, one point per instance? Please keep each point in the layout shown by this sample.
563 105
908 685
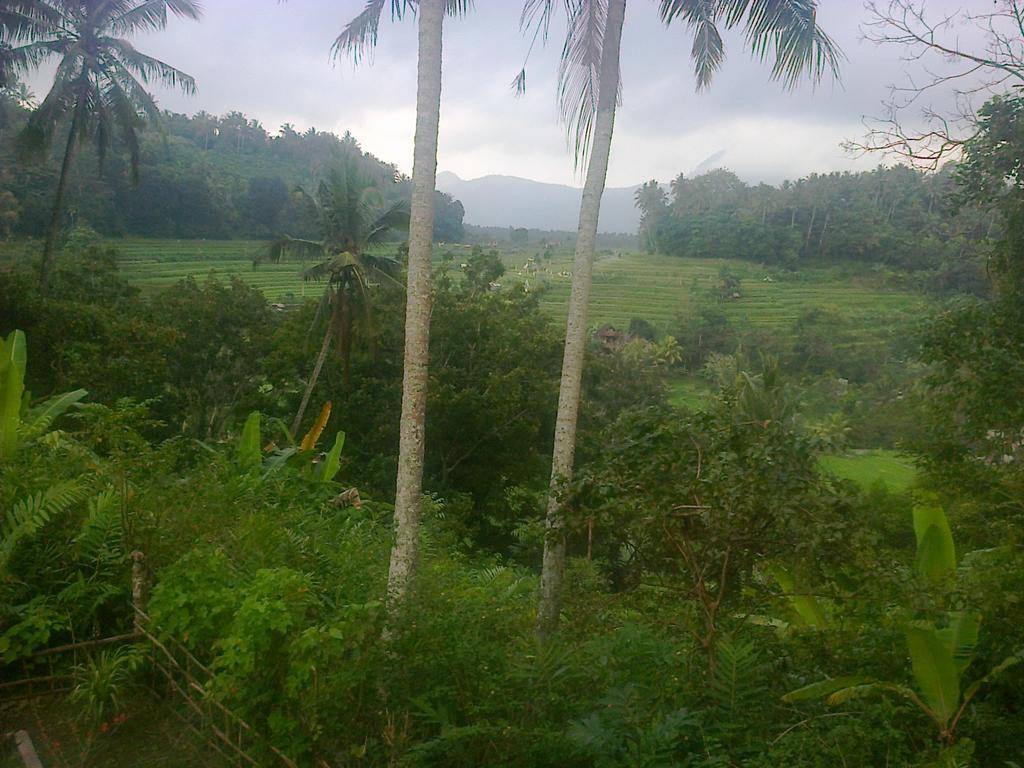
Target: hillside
510 201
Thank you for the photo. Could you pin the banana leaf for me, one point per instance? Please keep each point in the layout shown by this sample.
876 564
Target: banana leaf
332 461
936 553
824 688
807 607
249 453
935 671
12 385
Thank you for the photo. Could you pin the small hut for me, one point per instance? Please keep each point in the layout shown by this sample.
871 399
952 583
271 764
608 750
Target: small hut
610 337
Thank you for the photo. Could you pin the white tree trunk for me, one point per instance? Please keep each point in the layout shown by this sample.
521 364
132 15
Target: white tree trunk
417 309
564 451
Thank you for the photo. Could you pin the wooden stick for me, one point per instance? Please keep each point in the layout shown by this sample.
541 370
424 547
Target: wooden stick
83 644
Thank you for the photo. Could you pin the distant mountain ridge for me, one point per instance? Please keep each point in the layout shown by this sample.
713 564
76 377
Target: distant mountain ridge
511 201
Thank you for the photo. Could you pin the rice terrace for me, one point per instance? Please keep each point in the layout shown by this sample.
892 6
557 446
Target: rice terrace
626 284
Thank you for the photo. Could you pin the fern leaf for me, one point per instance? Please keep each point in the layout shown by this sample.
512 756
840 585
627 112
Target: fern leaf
30 514
736 683
100 534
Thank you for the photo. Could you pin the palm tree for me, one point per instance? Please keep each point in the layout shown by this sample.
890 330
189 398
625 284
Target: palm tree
358 37
100 83
652 202
20 20
588 92
352 216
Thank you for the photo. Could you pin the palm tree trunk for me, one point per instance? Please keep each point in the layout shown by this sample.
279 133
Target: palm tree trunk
46 266
564 451
409 485
313 379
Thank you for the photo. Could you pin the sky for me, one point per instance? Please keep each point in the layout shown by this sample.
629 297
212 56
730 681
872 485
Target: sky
271 61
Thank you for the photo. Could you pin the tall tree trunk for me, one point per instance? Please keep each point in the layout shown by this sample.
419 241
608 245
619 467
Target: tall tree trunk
810 226
46 266
564 452
417 307
324 347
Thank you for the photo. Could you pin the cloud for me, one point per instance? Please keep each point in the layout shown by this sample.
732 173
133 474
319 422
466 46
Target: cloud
271 61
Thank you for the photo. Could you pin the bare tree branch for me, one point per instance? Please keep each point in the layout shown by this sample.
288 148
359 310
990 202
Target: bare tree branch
957 60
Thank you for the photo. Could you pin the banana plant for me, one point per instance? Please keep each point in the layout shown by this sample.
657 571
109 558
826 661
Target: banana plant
939 657
250 453
21 424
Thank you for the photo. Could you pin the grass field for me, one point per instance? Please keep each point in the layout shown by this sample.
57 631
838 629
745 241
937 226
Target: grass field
626 285
867 467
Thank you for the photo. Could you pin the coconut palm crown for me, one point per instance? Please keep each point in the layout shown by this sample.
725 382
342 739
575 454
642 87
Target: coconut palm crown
352 215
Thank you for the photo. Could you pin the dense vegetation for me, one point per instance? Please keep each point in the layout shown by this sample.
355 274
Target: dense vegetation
897 216
276 583
727 600
199 177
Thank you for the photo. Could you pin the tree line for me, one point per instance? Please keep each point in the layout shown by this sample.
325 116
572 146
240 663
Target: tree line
898 216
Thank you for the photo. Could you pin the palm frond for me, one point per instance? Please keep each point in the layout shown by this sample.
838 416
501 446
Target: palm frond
707 51
325 270
101 80
381 221
149 69
35 137
536 15
286 247
789 29
152 15
359 37
23 58
457 7
383 268
120 109
579 71
783 30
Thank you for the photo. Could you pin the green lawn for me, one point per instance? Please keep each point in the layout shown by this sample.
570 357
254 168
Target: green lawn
867 467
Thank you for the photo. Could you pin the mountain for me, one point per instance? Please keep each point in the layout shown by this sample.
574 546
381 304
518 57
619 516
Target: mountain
510 201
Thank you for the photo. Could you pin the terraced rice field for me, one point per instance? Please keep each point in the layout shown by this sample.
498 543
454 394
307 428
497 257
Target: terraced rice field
626 285
661 288
155 264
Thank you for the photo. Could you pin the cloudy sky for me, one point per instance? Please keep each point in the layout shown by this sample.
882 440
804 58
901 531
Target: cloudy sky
271 61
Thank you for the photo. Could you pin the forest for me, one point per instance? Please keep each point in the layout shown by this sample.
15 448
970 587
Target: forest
198 177
293 475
